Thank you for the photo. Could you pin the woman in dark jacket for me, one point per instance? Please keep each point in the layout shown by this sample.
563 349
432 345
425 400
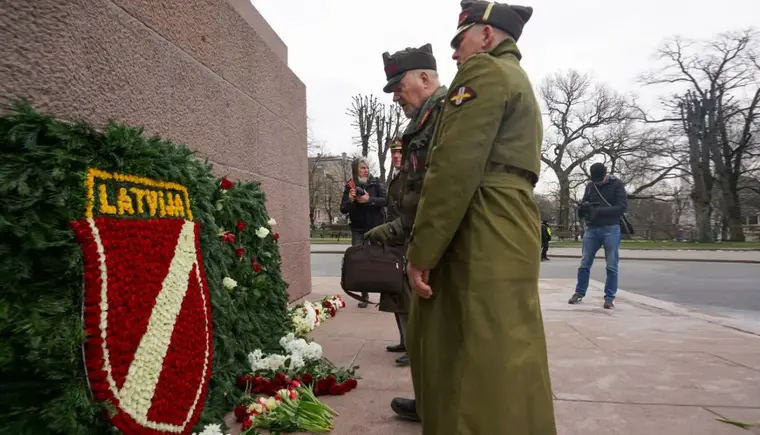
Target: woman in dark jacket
363 201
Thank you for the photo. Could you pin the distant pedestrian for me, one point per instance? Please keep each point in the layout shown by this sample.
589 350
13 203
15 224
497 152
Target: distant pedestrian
604 203
546 236
364 200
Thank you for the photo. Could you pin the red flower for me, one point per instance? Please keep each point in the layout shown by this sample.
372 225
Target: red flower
241 225
228 237
244 382
239 253
226 184
326 304
241 412
247 423
256 266
337 390
352 383
308 378
276 236
333 312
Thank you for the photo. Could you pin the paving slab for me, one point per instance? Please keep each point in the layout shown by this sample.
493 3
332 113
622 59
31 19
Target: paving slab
645 368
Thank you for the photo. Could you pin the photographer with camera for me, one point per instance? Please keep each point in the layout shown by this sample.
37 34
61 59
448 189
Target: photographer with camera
363 201
604 203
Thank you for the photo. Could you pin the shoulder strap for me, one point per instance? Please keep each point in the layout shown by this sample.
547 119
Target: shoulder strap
601 196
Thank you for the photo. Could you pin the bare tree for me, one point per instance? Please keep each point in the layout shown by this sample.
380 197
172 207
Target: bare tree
363 112
582 116
716 107
390 121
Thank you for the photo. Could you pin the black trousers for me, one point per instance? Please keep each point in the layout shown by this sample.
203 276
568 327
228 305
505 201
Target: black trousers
544 248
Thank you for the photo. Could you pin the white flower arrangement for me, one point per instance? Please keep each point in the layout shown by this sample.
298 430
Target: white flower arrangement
211 429
300 353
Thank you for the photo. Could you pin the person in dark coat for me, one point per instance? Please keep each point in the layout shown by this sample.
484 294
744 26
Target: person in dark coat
364 199
604 203
546 236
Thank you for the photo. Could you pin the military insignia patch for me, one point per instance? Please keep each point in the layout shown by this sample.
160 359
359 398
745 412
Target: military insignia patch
462 95
425 118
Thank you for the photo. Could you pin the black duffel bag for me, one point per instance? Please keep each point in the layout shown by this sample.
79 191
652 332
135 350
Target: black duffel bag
372 268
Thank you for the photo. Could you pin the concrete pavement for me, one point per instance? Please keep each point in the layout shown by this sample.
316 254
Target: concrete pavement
709 256
647 367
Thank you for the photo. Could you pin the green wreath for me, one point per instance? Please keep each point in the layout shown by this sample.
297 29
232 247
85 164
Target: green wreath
43 163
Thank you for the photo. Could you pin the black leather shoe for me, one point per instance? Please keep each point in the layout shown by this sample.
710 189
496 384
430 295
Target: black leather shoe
396 348
405 408
403 361
363 305
608 304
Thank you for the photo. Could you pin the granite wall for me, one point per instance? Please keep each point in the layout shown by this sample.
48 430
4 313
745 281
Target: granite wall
208 73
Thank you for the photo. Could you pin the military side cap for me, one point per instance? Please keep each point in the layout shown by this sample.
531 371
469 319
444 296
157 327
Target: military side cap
409 59
510 19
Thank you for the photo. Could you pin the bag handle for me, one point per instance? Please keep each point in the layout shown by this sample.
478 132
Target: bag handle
600 195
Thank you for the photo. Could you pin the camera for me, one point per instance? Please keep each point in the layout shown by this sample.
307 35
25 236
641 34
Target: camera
360 192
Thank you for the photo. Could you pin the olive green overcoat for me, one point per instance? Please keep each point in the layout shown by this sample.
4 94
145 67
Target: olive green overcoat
477 346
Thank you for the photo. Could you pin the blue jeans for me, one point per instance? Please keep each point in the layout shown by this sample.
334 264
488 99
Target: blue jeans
595 237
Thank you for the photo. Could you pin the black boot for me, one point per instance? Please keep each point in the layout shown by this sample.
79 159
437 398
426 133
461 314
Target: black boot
396 348
403 361
405 408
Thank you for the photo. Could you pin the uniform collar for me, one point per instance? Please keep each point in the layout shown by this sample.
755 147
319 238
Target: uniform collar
505 47
424 115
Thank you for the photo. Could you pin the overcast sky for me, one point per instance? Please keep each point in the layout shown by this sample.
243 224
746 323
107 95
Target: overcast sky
335 46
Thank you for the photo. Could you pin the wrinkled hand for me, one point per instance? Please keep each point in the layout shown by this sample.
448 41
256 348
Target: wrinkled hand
381 233
418 280
363 199
352 195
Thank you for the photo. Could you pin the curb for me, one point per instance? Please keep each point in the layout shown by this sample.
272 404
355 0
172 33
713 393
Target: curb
679 260
744 326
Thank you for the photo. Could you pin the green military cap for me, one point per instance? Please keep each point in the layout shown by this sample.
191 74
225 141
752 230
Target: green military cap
510 19
408 59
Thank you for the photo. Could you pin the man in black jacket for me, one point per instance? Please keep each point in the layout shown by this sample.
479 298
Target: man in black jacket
546 236
604 203
363 201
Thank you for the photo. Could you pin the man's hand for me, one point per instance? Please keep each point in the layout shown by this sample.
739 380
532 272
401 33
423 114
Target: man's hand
381 233
363 199
352 195
418 280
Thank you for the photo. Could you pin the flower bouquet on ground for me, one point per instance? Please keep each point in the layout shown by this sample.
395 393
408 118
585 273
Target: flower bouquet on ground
309 315
303 363
291 409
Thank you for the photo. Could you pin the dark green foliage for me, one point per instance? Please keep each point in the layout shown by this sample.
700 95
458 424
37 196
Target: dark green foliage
43 161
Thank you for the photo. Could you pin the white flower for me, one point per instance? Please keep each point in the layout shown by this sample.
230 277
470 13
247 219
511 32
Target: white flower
219 206
229 283
271 222
262 232
296 362
211 429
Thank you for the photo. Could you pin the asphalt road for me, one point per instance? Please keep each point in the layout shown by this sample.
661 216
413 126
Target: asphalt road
729 289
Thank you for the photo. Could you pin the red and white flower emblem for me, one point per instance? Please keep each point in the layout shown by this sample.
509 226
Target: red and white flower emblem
147 315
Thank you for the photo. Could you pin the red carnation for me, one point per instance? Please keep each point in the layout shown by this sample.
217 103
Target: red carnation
326 304
276 236
241 412
337 390
280 377
352 383
333 312
308 378
226 184
247 423
256 266
228 237
241 225
240 252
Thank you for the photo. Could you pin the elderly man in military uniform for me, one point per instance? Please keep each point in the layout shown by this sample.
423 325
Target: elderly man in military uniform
476 328
412 77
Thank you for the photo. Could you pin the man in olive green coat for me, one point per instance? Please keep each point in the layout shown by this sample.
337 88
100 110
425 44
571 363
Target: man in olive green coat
473 258
412 78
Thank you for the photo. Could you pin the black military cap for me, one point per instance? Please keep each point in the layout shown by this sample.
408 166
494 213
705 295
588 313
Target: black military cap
408 59
510 19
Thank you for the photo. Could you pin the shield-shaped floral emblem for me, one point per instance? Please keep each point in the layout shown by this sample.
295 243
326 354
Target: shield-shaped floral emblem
147 310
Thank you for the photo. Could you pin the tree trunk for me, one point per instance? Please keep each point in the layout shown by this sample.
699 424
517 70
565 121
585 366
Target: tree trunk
703 213
735 221
563 219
